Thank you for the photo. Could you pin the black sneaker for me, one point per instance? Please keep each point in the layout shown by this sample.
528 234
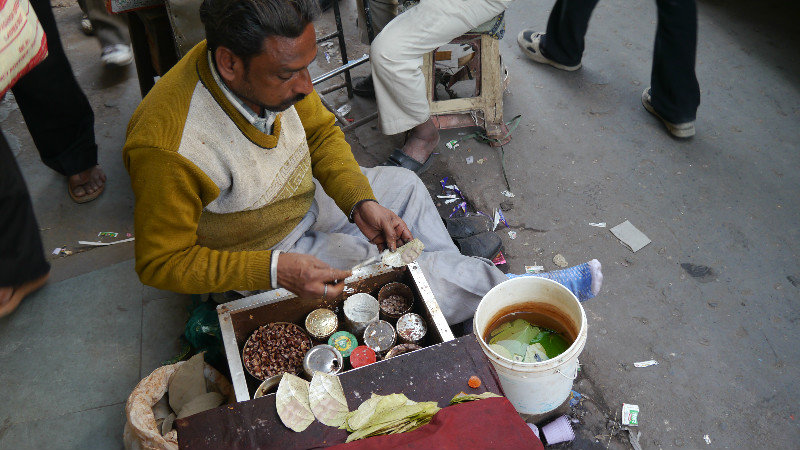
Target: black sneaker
362 87
485 245
462 227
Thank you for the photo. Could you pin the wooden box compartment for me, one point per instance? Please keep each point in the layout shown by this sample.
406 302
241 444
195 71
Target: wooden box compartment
238 319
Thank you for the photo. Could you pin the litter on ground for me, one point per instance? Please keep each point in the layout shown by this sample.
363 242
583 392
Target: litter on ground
649 363
630 236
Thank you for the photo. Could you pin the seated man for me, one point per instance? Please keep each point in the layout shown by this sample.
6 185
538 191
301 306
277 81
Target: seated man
227 155
399 85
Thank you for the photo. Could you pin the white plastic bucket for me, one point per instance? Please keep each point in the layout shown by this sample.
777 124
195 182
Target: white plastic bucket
540 387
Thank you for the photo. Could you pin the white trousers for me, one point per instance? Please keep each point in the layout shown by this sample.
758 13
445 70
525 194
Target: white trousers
397 52
458 282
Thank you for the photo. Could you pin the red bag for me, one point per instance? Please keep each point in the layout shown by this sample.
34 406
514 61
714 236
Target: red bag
481 424
23 43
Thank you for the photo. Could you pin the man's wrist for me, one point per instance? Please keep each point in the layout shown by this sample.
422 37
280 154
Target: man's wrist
351 216
273 269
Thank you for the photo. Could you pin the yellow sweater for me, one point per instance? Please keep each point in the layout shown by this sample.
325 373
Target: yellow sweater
213 193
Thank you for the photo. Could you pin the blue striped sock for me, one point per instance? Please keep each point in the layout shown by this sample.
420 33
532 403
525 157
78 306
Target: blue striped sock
583 280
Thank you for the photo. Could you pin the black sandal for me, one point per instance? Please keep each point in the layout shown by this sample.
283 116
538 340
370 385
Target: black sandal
400 159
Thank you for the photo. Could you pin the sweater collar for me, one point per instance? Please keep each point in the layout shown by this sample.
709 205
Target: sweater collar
205 72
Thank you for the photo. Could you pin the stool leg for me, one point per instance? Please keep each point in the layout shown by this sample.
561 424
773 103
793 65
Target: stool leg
427 70
492 88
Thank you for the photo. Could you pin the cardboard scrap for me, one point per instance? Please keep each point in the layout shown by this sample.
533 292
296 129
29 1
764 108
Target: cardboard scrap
630 236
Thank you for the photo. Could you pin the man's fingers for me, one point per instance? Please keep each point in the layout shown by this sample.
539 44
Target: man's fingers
405 234
391 237
338 275
402 232
334 290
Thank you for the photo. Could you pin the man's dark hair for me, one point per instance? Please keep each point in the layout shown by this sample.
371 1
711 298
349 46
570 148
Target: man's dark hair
242 25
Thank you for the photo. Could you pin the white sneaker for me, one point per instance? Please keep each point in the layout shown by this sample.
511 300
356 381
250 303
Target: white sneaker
117 55
86 25
530 41
680 130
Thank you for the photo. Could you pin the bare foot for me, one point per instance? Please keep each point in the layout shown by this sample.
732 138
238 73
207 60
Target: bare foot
421 141
87 185
10 297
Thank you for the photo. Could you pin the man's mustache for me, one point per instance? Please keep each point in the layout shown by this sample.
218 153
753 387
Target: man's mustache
285 105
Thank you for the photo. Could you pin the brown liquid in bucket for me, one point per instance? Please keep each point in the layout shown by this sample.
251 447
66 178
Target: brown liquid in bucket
537 313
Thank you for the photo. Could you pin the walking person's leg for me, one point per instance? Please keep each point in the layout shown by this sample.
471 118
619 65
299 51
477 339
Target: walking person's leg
674 92
563 44
111 31
23 268
58 115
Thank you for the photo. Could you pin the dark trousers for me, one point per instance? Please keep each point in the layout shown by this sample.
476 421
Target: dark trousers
21 253
56 111
674 88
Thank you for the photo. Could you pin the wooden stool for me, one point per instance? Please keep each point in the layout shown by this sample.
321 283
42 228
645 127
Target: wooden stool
485 109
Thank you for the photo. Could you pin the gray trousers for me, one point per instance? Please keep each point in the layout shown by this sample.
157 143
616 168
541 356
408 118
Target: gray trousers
458 282
109 28
381 13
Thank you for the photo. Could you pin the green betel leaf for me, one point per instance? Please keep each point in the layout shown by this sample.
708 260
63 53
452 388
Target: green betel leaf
463 398
395 420
500 329
360 416
502 351
514 347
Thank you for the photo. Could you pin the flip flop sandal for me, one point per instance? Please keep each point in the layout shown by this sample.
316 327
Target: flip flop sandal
18 293
10 304
400 159
83 198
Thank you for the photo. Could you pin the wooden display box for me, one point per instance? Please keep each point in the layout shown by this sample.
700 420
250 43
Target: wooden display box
238 319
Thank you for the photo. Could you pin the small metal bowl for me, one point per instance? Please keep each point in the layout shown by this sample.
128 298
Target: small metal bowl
395 288
321 324
360 310
323 358
268 386
401 349
411 329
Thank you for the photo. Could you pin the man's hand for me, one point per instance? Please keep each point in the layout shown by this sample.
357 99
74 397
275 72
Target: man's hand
381 226
307 276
